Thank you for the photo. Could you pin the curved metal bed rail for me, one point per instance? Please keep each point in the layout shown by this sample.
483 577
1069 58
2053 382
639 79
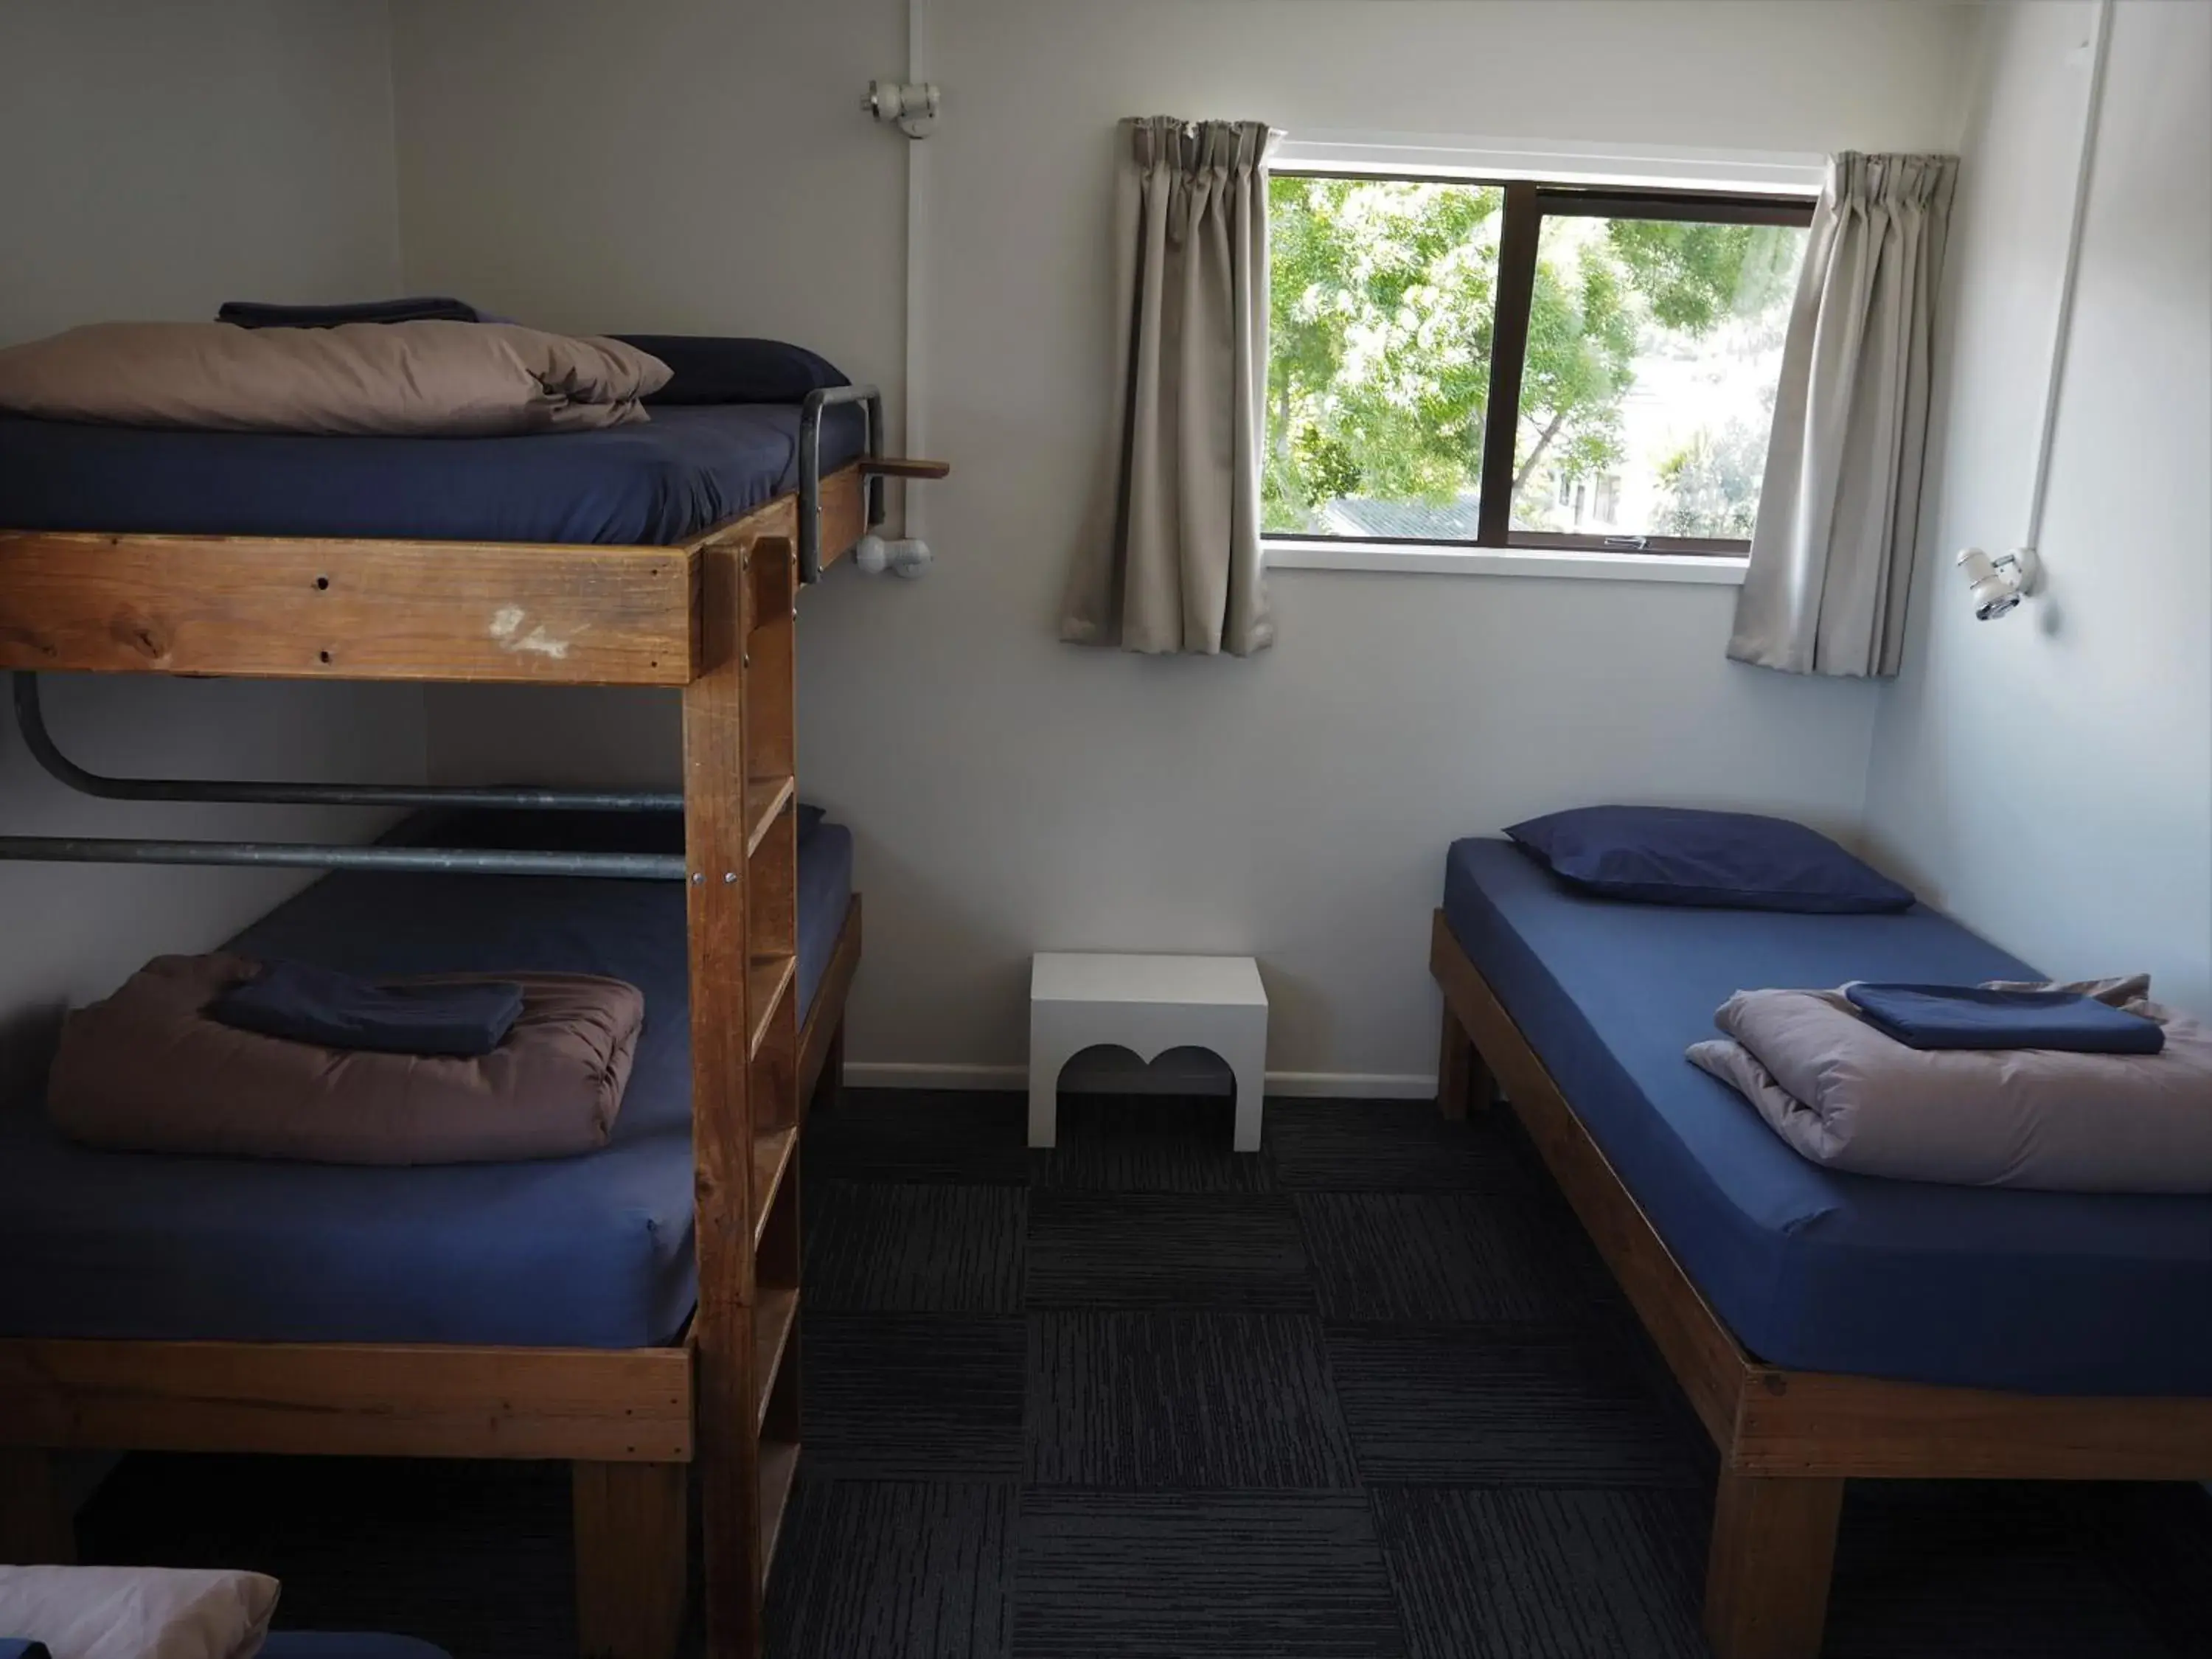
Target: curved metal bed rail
809 466
31 720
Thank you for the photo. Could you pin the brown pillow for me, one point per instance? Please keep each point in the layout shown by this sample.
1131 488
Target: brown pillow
149 1071
422 379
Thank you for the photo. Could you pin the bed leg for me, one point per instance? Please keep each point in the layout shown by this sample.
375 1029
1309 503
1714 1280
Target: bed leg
1463 1082
36 1527
1766 1583
830 1088
631 1522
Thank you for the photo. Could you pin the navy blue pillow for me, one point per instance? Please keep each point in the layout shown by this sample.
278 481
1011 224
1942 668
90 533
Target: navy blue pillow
709 369
1730 860
809 820
422 307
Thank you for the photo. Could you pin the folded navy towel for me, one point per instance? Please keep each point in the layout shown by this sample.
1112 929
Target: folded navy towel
307 1004
421 308
18 1647
1977 1016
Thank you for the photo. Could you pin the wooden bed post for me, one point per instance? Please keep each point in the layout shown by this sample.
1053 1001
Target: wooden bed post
1773 1550
831 1088
631 1521
721 1120
1463 1081
36 1528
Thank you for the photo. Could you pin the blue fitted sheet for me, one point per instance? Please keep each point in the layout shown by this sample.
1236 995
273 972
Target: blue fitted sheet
1988 1287
591 1252
661 480
346 1644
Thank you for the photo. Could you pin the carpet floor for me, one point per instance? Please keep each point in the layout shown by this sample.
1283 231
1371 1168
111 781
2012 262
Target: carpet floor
1369 1395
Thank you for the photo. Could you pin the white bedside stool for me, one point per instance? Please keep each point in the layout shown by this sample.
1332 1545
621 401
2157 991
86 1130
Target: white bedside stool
1148 1004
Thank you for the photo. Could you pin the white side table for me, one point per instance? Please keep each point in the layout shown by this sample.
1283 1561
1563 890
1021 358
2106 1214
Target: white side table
1148 1004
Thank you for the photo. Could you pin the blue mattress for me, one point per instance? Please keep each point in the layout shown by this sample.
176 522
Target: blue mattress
664 480
590 1252
1989 1287
345 1644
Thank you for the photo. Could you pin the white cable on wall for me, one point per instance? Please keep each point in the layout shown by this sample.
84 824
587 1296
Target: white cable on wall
2063 325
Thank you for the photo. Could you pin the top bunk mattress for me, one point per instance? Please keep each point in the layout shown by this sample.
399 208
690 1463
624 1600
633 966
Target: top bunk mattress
1816 1269
662 481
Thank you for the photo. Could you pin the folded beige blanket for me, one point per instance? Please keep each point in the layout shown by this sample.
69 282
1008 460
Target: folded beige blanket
436 379
137 1613
1850 1097
148 1070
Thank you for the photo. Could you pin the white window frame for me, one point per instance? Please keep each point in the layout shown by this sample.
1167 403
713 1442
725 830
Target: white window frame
1391 154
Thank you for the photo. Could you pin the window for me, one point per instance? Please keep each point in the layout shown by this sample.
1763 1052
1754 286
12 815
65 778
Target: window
1608 355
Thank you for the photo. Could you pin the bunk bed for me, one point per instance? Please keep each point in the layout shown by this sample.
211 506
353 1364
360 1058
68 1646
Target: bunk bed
604 558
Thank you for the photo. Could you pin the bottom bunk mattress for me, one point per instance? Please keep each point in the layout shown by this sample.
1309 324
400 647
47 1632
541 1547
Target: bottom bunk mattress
1816 1269
587 1252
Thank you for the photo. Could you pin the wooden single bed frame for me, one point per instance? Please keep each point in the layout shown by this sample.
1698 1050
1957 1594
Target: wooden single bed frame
1788 1439
715 617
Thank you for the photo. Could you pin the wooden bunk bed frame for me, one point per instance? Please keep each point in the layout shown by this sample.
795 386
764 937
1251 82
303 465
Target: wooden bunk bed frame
714 617
1788 1439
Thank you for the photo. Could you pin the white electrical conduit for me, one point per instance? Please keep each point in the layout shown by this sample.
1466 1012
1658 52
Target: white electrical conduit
2062 327
917 180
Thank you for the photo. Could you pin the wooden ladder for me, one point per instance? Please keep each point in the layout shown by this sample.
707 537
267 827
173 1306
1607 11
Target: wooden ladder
741 840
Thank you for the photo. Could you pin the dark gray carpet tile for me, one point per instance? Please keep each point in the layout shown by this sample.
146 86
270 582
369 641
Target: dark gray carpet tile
1388 1145
912 1396
1222 1575
1409 1258
1968 1570
1159 1250
1479 1403
473 1557
874 1247
1191 1400
966 1136
1528 1573
2156 1540
1150 1144
879 1570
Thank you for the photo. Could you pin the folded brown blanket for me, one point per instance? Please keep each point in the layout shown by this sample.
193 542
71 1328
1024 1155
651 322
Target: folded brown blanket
1846 1094
427 379
148 1070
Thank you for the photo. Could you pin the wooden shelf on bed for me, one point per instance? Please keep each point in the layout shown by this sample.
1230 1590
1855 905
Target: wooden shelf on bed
768 981
776 1316
772 1153
779 1465
765 802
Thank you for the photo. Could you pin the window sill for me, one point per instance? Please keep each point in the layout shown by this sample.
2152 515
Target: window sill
1439 560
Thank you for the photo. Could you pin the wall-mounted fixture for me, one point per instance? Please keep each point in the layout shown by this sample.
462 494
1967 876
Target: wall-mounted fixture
909 557
910 106
1999 584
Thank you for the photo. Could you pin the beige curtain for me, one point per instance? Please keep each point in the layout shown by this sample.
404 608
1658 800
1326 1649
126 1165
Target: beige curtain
1831 552
1174 563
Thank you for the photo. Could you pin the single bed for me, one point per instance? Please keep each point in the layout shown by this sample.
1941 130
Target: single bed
585 1252
1813 1268
1824 1325
661 482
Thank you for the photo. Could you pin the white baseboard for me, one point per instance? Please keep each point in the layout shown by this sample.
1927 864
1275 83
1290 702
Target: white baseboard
1156 1081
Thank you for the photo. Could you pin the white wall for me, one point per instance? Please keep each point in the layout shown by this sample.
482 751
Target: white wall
161 157
1011 793
2048 778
